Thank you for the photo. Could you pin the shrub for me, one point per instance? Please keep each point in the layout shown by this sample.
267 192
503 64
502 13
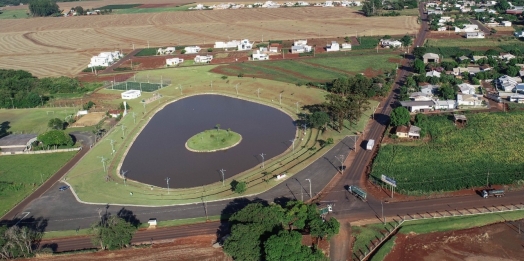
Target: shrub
209 50
238 187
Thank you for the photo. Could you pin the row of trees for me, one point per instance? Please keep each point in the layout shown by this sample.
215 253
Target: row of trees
274 233
347 100
20 89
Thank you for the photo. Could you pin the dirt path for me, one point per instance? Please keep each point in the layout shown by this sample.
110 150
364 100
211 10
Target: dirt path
339 245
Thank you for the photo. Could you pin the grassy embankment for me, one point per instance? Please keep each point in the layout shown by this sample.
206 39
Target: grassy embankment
457 158
211 140
85 177
20 175
365 234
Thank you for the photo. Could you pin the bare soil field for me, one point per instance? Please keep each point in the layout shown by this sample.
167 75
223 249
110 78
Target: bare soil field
89 119
498 242
63 46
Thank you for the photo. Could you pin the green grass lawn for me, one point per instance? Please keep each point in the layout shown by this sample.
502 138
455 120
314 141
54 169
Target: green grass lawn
472 43
211 140
32 120
22 174
457 158
14 14
312 69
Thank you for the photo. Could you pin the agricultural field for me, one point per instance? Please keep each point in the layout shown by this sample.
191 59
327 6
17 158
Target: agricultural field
13 14
312 69
53 47
21 174
457 158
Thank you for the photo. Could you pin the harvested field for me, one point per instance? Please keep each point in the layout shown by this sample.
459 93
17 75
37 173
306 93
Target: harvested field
52 46
498 242
90 119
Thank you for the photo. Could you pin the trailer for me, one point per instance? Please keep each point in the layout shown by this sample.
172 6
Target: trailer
370 144
493 193
357 192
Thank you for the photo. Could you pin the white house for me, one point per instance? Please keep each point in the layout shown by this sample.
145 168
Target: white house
226 45
507 83
429 89
192 49
469 99
445 105
468 28
345 46
505 23
167 50
433 73
390 43
257 55
301 49
299 42
519 34
466 88
475 35
419 96
131 94
174 61
333 47
273 49
506 56
328 4
416 106
244 45
104 59
203 58
431 58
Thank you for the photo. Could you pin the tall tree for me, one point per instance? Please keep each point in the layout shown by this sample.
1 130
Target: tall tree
286 245
56 124
43 7
400 116
16 242
318 119
112 233
55 138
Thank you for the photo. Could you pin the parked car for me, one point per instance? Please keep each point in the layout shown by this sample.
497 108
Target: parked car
62 188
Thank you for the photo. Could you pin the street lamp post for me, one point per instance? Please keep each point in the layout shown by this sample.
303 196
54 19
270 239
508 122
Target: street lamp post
167 180
310 195
382 206
341 159
222 171
42 178
262 155
293 142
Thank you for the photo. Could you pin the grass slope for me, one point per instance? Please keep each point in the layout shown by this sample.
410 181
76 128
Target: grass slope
458 158
210 140
21 174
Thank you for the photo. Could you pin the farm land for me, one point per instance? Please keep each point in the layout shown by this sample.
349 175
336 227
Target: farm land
454 158
63 46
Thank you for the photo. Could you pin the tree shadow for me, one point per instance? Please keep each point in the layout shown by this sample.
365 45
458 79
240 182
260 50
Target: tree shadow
4 127
128 216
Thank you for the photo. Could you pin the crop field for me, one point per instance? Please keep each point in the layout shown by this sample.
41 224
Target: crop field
13 14
21 174
310 70
457 158
63 46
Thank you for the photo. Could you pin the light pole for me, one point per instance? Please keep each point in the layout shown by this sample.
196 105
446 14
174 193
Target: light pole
103 159
310 195
293 142
341 159
382 206
222 171
236 88
123 130
373 115
112 146
258 93
124 176
167 180
180 86
280 99
42 178
134 117
262 155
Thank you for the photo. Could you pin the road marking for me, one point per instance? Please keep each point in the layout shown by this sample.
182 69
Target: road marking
26 214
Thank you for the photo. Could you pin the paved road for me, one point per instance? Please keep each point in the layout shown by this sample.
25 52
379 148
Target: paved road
482 27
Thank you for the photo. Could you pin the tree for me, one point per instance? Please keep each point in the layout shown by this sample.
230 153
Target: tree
286 245
121 106
372 7
325 229
55 138
79 10
17 242
217 127
318 119
419 66
112 232
447 92
238 187
90 104
43 7
56 124
419 52
400 116
406 40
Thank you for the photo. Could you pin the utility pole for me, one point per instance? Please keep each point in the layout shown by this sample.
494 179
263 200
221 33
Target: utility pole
262 155
222 171
310 195
42 178
382 206
103 159
134 117
204 201
487 180
211 85
293 142
236 88
280 99
123 129
167 180
341 159
180 86
258 93
112 146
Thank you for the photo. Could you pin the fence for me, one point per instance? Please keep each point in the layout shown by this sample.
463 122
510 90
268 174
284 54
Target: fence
364 255
142 83
38 151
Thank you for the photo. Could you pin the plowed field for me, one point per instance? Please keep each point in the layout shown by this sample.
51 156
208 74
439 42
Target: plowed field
63 46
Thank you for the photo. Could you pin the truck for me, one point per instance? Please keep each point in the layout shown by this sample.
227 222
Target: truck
493 193
370 144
